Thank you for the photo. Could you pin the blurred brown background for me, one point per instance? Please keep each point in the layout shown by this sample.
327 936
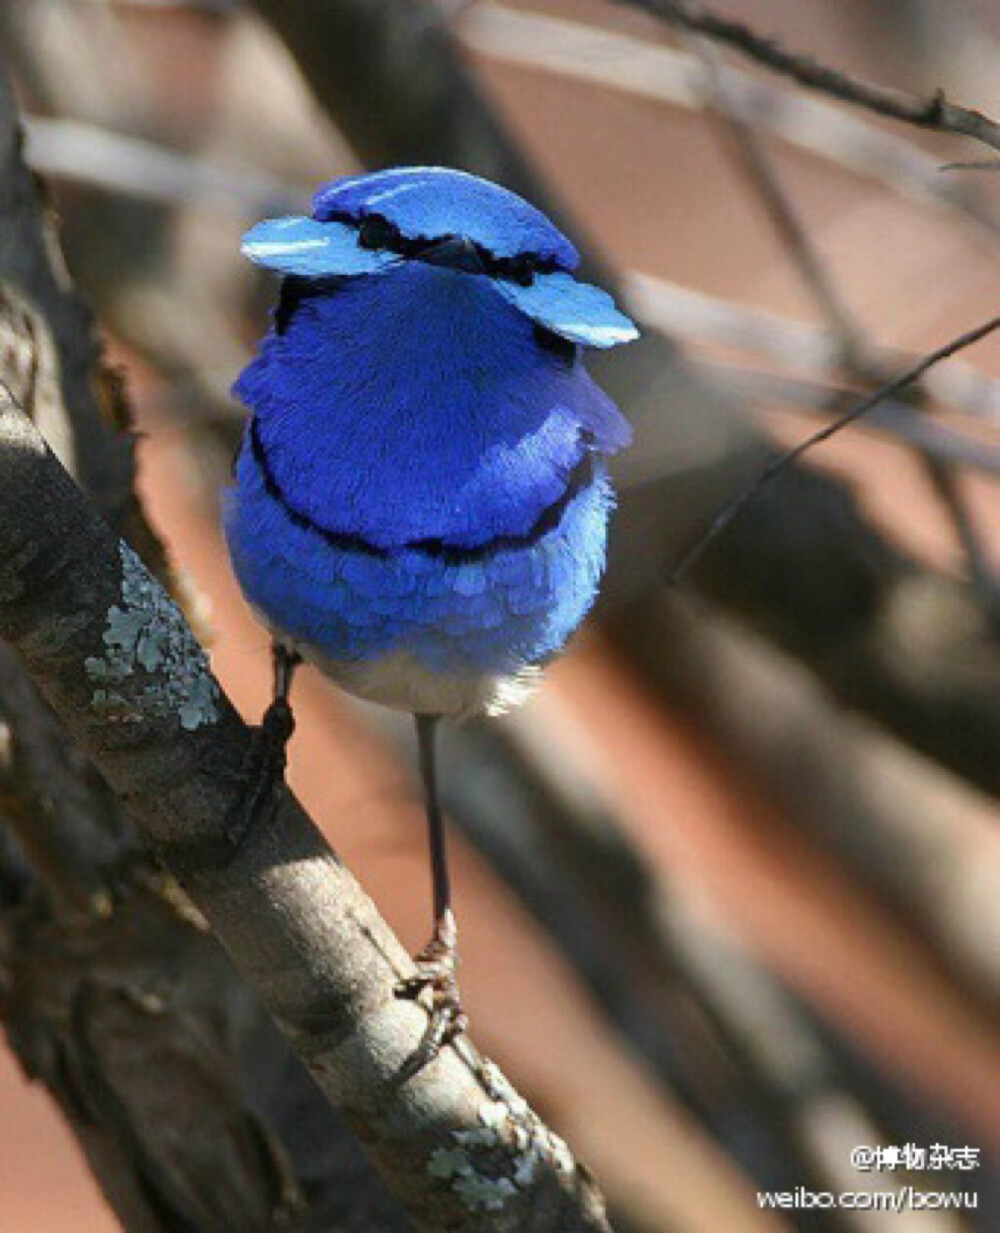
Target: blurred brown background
706 885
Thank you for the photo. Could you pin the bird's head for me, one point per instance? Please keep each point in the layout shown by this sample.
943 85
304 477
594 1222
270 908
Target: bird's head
371 224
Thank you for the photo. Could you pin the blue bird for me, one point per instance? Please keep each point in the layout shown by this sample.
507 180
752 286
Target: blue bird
421 497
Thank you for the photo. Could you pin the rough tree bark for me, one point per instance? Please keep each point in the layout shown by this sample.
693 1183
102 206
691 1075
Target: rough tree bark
189 1105
191 1109
120 668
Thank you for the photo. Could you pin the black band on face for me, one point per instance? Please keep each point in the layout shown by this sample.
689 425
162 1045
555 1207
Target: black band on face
458 252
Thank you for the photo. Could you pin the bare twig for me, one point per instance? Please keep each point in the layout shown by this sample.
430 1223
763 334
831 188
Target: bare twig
122 163
618 61
854 354
747 150
935 113
797 346
989 164
777 465
196 6
896 420
981 573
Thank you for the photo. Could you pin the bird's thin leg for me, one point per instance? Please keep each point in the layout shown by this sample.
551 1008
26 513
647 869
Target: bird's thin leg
444 921
437 962
278 716
268 756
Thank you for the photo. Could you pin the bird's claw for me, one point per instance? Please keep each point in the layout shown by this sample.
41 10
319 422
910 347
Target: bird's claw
436 966
276 729
265 766
447 1020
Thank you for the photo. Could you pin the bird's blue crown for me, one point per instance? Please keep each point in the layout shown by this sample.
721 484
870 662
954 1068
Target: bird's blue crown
424 204
370 224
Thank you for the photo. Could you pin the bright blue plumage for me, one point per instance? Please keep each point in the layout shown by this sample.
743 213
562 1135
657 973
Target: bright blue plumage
575 311
429 202
514 607
311 249
425 387
422 484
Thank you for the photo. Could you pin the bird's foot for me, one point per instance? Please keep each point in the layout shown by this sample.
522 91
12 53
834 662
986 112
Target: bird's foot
265 766
436 967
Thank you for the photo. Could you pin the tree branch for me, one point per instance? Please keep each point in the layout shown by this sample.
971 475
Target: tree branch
796 345
894 420
855 356
776 466
621 62
935 113
113 657
113 162
114 995
71 374
901 823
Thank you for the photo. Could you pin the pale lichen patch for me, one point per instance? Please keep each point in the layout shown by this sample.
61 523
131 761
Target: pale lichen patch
474 1138
493 1114
524 1170
491 1163
146 632
480 1193
449 1162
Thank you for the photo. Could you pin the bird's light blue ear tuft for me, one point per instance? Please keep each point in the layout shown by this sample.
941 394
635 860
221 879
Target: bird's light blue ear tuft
575 311
432 202
311 249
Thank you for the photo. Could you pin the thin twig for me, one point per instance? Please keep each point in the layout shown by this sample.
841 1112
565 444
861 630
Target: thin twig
986 164
617 61
760 390
744 145
88 154
935 113
797 346
749 151
981 573
777 465
197 6
896 420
